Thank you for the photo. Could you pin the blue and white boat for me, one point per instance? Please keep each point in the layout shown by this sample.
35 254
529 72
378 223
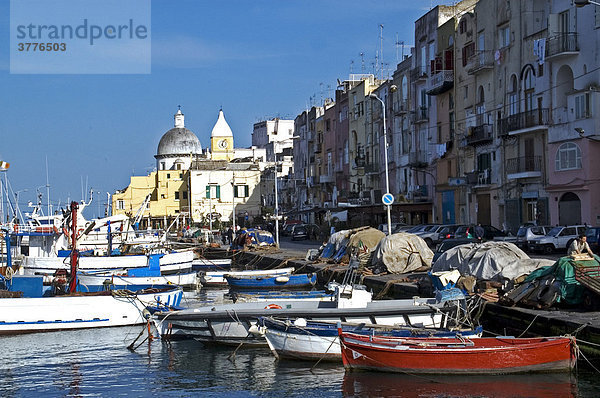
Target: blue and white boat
217 278
271 281
318 340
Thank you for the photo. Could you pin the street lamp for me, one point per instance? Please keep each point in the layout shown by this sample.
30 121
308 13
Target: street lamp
583 3
276 211
387 176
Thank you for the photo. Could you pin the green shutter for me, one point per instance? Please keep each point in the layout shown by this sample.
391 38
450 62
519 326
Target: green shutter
218 192
235 191
208 192
246 191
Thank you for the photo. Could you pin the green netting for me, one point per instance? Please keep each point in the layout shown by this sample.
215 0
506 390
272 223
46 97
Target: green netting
571 291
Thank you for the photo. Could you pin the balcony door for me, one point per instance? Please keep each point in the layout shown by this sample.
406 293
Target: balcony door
529 154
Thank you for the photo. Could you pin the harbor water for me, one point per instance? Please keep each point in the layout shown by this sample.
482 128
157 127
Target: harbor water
96 362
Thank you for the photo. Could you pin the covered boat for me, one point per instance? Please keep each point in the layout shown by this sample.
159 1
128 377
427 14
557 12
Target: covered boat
217 278
306 339
487 355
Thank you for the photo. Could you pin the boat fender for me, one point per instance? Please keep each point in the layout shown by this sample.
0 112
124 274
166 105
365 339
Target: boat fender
273 307
256 330
282 279
301 322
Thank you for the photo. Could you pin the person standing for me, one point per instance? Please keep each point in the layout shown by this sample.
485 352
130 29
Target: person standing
229 235
579 245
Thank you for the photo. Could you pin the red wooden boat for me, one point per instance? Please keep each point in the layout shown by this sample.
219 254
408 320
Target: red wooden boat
486 355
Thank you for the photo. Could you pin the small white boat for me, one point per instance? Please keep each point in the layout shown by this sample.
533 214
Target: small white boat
217 278
200 263
78 311
94 283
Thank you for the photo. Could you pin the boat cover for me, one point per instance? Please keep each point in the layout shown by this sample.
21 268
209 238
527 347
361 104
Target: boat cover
489 261
359 240
562 273
402 253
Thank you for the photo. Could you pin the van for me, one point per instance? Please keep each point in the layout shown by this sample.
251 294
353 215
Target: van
558 238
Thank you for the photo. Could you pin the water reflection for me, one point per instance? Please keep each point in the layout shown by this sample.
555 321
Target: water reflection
360 384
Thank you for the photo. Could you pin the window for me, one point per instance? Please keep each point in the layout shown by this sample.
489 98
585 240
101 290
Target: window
168 175
176 195
451 123
184 195
213 192
120 204
466 91
582 106
180 175
568 157
504 37
240 191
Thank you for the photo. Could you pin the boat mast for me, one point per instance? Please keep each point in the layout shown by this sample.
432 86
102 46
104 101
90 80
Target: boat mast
73 281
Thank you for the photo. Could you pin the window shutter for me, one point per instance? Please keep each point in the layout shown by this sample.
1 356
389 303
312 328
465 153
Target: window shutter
208 192
218 192
235 191
246 191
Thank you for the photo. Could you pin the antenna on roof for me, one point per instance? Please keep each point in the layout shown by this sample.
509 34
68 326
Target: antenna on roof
362 60
179 106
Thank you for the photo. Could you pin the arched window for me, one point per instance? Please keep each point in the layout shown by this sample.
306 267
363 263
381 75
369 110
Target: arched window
568 157
528 89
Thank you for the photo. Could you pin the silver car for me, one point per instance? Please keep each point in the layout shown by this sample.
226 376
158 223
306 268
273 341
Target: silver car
530 232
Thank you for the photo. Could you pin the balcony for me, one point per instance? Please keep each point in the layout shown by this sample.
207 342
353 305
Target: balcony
524 122
421 115
480 61
418 159
484 177
318 147
401 107
440 82
339 167
372 168
419 192
418 73
524 167
561 45
480 135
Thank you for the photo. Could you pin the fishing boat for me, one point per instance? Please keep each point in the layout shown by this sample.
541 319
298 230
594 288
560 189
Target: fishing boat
95 283
217 278
486 355
29 306
311 339
237 323
217 263
271 281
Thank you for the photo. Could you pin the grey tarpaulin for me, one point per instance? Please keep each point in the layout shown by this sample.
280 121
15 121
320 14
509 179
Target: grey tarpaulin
489 261
402 252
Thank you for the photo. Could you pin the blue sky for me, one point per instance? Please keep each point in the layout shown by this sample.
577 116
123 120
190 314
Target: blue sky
256 59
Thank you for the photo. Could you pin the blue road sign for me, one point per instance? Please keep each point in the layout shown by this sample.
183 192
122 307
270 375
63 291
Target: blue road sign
387 199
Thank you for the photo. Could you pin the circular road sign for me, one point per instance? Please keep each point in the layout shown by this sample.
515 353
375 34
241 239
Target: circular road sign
387 199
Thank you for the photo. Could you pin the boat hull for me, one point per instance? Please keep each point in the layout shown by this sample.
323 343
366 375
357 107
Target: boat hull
271 281
217 278
176 262
319 340
44 314
94 283
236 323
478 356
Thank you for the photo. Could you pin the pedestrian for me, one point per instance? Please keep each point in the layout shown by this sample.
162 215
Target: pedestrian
579 245
479 232
229 235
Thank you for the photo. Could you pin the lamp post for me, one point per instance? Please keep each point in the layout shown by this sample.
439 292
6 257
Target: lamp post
385 148
276 211
583 3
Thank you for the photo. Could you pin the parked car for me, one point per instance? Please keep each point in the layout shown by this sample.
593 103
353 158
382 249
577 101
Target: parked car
449 231
435 234
288 226
558 238
306 231
489 232
593 238
448 244
530 232
395 227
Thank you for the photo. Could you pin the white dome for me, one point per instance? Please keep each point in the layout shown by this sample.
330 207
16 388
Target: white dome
221 128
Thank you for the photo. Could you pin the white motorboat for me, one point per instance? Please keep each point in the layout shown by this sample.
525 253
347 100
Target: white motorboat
217 278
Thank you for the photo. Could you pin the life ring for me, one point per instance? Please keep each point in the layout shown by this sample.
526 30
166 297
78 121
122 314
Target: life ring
16 228
273 307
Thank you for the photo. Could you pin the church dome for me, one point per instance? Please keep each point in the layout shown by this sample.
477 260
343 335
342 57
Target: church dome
179 140
221 128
